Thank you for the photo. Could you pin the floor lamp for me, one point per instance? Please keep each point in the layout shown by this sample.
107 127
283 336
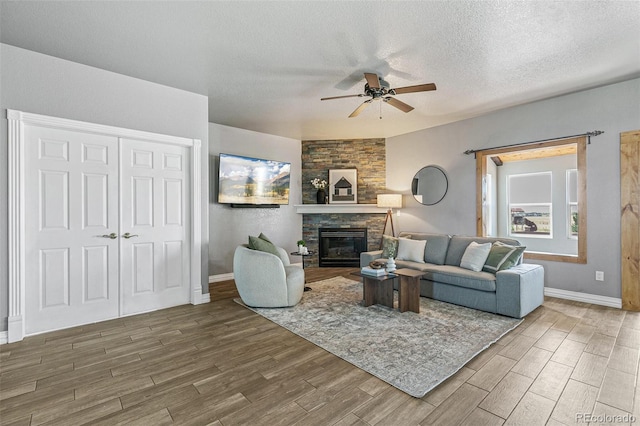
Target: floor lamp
389 201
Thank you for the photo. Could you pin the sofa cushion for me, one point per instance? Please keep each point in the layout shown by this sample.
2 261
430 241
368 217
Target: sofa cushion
453 275
411 250
475 255
502 256
437 244
459 243
418 266
461 277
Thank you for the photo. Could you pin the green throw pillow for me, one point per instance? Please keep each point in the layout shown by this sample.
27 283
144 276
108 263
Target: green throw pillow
257 243
389 246
264 237
502 256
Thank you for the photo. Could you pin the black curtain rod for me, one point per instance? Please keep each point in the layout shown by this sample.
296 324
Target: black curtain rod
588 135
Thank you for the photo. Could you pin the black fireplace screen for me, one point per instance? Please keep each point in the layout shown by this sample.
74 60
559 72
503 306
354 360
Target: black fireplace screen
341 246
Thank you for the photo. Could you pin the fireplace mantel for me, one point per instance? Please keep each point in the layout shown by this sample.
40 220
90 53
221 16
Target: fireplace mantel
338 208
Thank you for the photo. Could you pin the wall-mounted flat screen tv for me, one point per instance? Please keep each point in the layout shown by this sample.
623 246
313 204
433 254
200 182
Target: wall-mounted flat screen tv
253 181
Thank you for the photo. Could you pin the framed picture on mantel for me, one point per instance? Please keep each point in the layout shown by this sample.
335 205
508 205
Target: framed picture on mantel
343 186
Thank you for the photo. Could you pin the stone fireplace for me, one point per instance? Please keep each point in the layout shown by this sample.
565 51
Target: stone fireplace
320 156
312 223
341 246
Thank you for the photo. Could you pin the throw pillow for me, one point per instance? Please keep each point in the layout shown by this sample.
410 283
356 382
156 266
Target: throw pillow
260 244
475 255
389 246
411 249
502 256
264 237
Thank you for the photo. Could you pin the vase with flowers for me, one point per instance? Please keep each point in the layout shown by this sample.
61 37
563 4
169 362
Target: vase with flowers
321 194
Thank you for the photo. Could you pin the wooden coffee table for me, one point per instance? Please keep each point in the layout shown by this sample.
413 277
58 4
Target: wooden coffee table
377 290
409 290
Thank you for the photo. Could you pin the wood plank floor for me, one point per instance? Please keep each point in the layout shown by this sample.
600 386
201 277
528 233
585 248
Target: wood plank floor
221 364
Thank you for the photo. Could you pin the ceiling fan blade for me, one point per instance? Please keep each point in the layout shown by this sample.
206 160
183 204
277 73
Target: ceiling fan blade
360 108
412 89
372 80
398 104
340 97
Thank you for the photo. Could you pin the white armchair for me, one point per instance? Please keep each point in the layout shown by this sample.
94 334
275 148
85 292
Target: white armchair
265 280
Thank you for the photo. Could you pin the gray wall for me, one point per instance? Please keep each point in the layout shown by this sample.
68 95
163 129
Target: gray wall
42 84
614 109
228 226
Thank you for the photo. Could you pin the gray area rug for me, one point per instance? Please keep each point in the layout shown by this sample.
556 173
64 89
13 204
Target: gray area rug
413 352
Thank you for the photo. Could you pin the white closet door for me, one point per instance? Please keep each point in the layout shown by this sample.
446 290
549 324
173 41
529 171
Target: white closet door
155 214
71 202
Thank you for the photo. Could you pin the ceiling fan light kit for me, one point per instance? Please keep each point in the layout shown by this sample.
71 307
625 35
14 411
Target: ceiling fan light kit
378 89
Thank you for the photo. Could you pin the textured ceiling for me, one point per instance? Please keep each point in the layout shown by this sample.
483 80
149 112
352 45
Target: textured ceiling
265 65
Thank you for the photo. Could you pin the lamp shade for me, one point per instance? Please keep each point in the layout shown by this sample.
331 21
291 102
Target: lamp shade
390 201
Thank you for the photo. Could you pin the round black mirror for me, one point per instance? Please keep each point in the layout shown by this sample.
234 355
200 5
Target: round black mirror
429 185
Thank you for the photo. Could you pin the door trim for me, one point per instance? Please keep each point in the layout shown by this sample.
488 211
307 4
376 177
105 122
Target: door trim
17 120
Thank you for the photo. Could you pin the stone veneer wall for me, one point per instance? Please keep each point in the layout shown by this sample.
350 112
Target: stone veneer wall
368 156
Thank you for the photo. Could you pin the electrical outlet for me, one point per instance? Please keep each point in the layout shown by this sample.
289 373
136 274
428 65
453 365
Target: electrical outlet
599 275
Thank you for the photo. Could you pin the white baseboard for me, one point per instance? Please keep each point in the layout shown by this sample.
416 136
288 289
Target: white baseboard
4 337
611 302
205 298
220 277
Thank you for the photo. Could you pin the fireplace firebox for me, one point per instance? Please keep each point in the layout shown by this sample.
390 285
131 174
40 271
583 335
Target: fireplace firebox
341 246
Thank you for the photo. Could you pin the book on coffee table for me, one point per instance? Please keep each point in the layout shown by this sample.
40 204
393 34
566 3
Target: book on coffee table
375 272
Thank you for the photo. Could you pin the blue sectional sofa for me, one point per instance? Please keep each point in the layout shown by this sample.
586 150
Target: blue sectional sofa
512 292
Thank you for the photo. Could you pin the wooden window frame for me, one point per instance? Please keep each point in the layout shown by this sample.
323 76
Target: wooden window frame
553 148
569 206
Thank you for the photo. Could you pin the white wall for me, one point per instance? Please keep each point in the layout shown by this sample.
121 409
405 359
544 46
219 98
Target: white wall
613 109
42 84
229 227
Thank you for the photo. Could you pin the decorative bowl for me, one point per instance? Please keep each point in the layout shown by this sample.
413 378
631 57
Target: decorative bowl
375 265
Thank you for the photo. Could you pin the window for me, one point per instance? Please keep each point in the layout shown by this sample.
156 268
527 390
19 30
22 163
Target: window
489 202
530 205
544 207
572 203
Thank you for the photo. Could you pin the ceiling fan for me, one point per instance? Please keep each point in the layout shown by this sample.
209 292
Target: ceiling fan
378 89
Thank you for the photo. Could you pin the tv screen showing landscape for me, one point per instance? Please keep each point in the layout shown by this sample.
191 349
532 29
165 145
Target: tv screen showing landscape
246 180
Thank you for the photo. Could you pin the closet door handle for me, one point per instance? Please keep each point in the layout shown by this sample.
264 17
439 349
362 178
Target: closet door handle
112 236
128 235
